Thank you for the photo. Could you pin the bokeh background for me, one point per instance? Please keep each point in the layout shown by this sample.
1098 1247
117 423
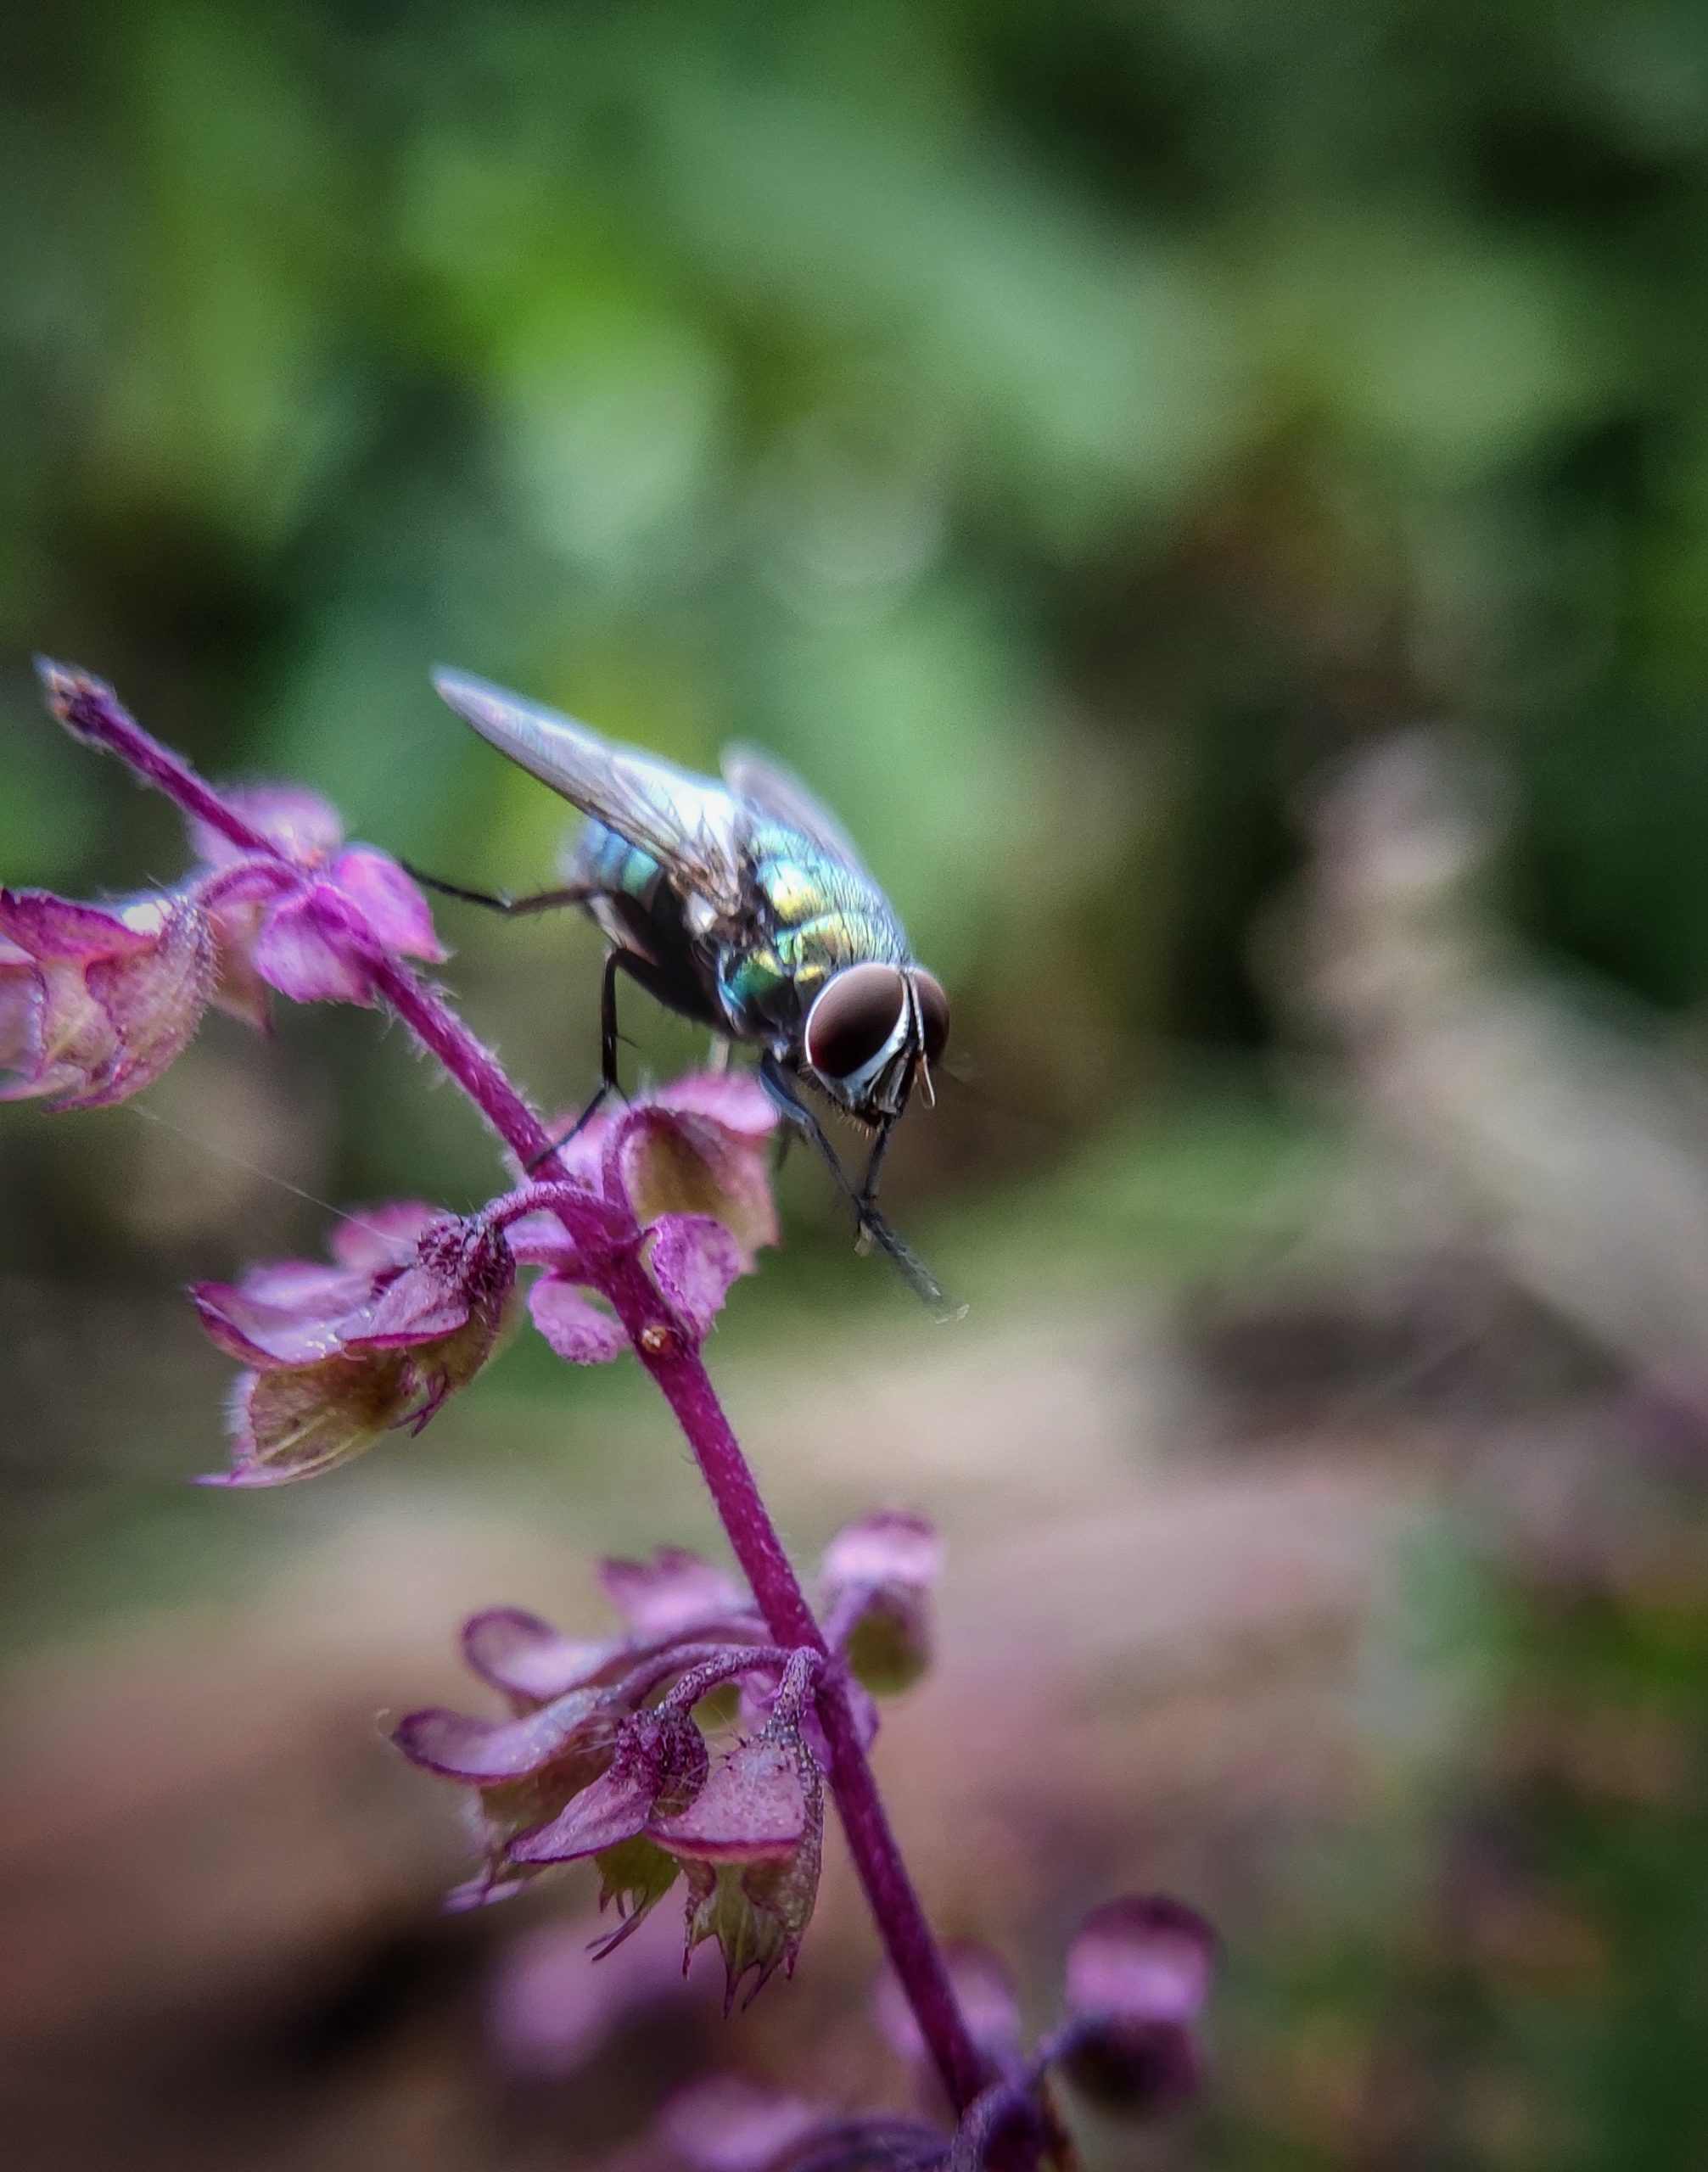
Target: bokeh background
1218 495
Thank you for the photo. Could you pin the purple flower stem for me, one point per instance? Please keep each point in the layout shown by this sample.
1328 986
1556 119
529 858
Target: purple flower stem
675 1363
92 712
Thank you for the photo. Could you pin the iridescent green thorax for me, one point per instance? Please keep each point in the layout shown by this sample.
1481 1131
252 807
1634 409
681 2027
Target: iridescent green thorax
822 916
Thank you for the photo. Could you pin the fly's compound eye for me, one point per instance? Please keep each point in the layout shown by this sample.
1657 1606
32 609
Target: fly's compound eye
853 1018
933 1013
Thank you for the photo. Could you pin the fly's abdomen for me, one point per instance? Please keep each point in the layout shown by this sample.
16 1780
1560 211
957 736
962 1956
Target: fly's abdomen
605 862
638 910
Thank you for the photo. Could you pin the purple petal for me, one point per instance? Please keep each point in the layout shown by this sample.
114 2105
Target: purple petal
44 926
734 1099
519 1652
266 1335
294 818
673 1591
487 1750
890 1546
611 1810
576 1327
313 950
728 2124
388 901
677 1162
694 1260
876 1577
752 1809
422 1305
1142 1958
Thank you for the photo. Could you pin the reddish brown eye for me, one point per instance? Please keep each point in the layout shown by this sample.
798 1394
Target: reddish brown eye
933 1013
855 1015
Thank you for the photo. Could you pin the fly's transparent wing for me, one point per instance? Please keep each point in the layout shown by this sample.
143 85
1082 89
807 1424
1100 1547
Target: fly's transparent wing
759 781
687 823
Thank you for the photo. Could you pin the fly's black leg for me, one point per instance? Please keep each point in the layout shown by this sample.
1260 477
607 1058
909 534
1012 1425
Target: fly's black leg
868 1190
616 961
494 901
907 1263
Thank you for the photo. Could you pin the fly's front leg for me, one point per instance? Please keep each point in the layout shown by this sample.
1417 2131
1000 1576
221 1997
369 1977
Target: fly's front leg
872 1224
880 1147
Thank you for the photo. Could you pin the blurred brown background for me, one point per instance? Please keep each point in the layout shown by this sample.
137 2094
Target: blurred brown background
1218 496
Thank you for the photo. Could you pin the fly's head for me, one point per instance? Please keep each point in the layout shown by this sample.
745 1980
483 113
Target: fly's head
872 1030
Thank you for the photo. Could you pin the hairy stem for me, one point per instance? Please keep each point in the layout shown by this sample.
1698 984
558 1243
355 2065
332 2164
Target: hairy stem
913 1952
92 712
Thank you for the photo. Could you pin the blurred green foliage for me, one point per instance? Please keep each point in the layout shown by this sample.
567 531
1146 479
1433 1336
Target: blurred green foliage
1055 429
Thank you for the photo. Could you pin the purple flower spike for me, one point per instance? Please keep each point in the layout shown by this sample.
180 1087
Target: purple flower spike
339 1355
1139 1974
97 1000
876 1577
